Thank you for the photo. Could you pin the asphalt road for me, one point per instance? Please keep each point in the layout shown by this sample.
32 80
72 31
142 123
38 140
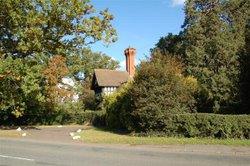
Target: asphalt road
21 152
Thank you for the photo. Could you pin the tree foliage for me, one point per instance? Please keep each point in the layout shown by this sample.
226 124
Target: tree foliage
245 74
213 46
52 27
41 43
21 86
215 35
174 44
159 87
10 98
56 90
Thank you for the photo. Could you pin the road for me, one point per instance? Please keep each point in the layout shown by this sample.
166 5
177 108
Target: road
21 152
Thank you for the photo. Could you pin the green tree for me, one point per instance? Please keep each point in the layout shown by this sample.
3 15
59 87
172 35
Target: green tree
21 87
215 34
160 88
10 91
174 44
32 33
52 27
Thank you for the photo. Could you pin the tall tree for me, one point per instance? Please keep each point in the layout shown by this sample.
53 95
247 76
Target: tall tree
174 44
53 27
32 34
215 34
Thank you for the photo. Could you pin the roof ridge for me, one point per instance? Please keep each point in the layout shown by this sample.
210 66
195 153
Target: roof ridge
110 70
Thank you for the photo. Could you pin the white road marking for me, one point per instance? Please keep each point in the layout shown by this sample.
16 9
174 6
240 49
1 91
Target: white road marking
16 158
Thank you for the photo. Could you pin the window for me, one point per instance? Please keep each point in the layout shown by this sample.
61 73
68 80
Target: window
109 90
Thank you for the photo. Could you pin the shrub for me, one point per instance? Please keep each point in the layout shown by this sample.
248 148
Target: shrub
159 88
118 107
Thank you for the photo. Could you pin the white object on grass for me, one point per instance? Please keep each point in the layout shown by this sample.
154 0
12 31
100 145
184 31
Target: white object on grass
24 134
76 137
60 126
79 130
19 129
71 134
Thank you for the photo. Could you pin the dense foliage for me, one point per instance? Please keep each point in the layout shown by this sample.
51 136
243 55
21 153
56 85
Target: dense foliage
118 107
159 83
158 87
202 125
22 86
211 54
211 46
213 77
174 44
245 74
52 27
160 102
62 117
42 43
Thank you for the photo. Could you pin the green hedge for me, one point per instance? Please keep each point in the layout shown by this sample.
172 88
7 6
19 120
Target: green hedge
93 117
96 118
202 125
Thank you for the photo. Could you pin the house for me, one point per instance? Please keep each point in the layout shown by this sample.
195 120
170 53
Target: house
107 81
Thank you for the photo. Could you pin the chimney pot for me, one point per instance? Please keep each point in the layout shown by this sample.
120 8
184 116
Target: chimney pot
130 61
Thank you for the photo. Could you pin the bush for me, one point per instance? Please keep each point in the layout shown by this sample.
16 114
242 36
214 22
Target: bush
159 83
201 125
118 108
159 88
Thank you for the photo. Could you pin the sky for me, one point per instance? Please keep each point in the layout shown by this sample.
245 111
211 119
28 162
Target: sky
139 24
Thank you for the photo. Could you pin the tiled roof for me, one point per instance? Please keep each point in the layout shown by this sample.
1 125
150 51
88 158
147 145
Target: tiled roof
105 77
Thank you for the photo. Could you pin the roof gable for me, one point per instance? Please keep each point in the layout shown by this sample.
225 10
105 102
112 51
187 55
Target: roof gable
105 77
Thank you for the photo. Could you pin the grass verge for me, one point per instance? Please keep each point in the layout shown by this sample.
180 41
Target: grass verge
10 133
109 137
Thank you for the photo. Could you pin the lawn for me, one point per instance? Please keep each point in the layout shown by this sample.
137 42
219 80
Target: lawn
109 137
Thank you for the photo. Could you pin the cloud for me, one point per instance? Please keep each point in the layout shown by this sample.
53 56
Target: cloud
123 64
178 2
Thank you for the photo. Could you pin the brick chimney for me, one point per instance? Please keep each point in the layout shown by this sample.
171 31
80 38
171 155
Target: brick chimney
130 61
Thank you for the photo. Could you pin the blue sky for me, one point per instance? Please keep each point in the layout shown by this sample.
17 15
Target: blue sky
140 24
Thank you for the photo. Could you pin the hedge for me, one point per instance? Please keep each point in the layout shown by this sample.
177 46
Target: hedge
96 118
202 125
